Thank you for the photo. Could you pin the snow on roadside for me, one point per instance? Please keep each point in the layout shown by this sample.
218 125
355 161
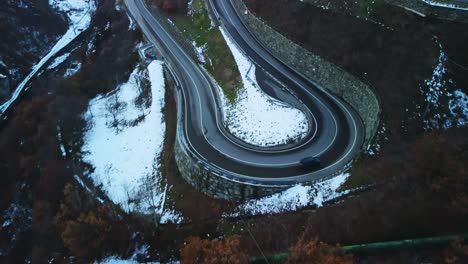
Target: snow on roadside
447 5
124 142
199 52
131 23
79 13
255 117
294 198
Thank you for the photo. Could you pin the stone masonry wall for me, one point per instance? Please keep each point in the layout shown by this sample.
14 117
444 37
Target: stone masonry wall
329 76
199 176
216 186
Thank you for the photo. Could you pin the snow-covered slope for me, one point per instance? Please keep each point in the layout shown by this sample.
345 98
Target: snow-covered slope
125 141
295 198
79 14
255 117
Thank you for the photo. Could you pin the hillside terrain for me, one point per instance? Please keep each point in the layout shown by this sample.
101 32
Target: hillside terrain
87 152
31 27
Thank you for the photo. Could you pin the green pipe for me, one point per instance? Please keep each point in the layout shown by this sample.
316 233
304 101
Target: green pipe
378 246
272 258
406 243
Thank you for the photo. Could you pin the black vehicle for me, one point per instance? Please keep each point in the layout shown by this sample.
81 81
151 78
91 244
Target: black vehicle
310 162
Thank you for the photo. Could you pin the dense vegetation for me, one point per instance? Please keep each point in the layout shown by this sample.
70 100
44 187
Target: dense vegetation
36 179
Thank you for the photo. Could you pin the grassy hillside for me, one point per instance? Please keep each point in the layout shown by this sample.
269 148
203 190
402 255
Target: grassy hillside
207 39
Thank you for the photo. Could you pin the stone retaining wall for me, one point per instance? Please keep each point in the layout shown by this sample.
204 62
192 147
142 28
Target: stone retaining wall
214 185
325 74
197 174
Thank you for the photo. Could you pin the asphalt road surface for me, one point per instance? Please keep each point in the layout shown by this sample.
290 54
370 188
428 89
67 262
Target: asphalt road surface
336 131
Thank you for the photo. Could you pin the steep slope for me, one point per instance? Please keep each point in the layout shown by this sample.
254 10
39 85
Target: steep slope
29 28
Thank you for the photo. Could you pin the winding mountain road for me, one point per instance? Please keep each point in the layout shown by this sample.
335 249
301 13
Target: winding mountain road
336 131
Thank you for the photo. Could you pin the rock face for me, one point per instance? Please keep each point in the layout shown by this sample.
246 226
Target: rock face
29 28
172 6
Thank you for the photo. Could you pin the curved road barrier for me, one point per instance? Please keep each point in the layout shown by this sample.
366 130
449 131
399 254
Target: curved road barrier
354 91
216 163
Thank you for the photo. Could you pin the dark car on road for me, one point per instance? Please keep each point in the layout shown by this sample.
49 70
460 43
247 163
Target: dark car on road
310 162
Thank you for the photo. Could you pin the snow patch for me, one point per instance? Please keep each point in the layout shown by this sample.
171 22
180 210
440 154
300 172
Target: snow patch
91 48
295 198
78 11
60 140
375 147
142 252
14 223
255 117
125 141
59 60
131 25
444 108
458 106
117 6
74 68
2 63
190 8
171 216
200 52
